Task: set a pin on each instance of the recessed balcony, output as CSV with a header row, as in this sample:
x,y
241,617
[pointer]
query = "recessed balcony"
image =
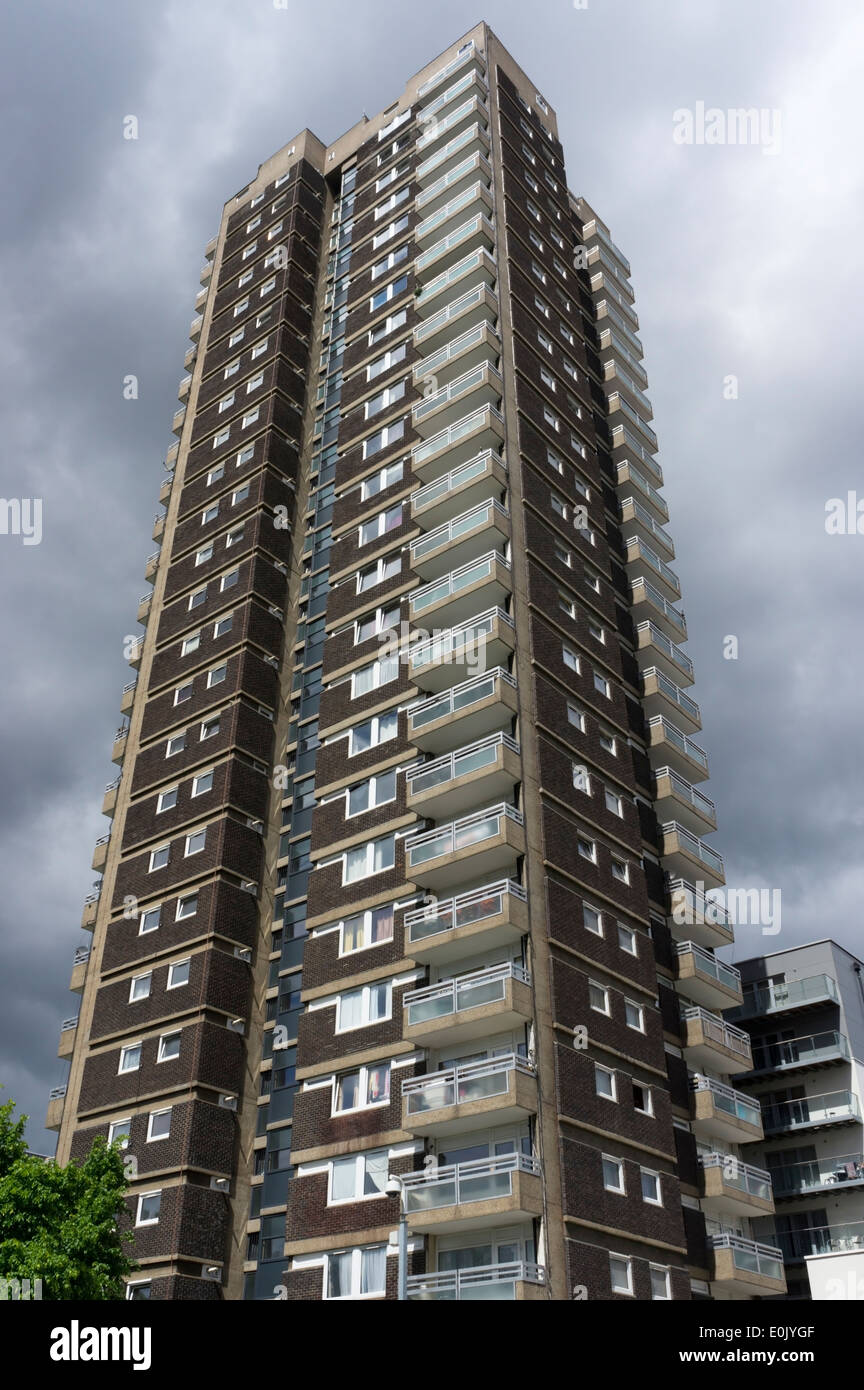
x,y
745,1268
483,772
649,603
825,1111
56,1104
482,385
451,929
809,1053
109,799
475,1195
482,429
472,1095
475,1005
478,346
467,537
474,234
787,997
682,853
68,1032
728,1187
464,712
485,844
653,648
674,796
660,697
628,477
471,60
711,1043
472,82
718,1111
100,853
459,491
832,1175
644,562
471,168
79,969
437,225
473,141
457,655
694,916
474,111
483,583
668,746
144,604
700,976
484,1284
448,309
840,1238
634,513
118,748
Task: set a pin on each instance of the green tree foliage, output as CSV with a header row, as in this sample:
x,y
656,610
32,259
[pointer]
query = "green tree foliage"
x,y
61,1225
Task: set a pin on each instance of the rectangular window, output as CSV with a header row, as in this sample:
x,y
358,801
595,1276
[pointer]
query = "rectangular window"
x,y
140,987
227,582
613,1175
175,745
592,919
158,1125
375,791
587,849
130,1058
386,362
358,1008
621,1274
651,1187
238,335
148,1209
620,869
598,998
120,1130
167,800
215,474
245,455
374,676
388,292
187,907
634,1016
388,326
613,802
642,1099
178,974
210,514
250,418
226,403
356,1090
375,857
601,685
626,939
356,1273
385,568
373,732
169,1047
604,1082
366,929
570,659
224,625
149,920
361,1175
196,599
383,438
384,399
660,1283
239,494
217,675
381,525
204,554
183,693
195,842
202,783
159,857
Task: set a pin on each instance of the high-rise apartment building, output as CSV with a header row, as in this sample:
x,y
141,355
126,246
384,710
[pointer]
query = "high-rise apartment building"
x,y
804,1011
404,905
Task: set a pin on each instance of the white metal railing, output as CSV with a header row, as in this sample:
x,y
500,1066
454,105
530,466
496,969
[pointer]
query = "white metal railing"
x,y
709,965
458,763
646,519
441,127
454,238
681,741
483,373
698,908
472,1283
82,955
471,991
463,910
672,692
727,1099
464,833
716,1028
68,1024
451,350
642,483
458,306
675,615
465,137
473,468
111,786
744,1177
57,1093
457,580
468,1081
455,432
659,639
457,698
686,792
750,1256
447,644
709,857
442,215
476,160
477,1180
442,74
462,525
655,562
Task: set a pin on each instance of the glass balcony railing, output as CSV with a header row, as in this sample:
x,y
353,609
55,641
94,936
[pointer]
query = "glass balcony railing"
x,y
750,1257
467,636
683,790
471,991
799,1052
452,92
474,468
432,364
474,224
619,375
791,994
479,1180
462,170
728,1100
470,55
442,215
743,1177
460,526
692,907
604,284
484,374
468,108
447,438
457,581
653,559
485,1283
452,148
457,699
465,910
709,965
624,438
834,1107
646,519
596,229
684,744
460,763
641,589
672,692
459,306
617,402
709,857
627,473
459,834
660,640
794,1179
717,1030
615,271
841,1239
470,1081
605,309
612,340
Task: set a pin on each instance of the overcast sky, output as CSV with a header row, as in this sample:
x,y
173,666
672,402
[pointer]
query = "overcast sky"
x,y
745,264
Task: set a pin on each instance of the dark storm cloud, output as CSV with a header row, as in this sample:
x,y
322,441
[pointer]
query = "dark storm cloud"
x,y
744,264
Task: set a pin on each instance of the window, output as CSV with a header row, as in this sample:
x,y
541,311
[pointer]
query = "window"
x,y
196,599
567,605
148,1208
608,743
372,858
390,262
238,335
563,555
386,362
359,1007
140,987
543,339
598,998
268,288
375,623
592,580
620,869
130,1058
259,349
227,582
256,222
355,1273
249,250
167,800
187,907
387,326
215,474
651,1187
390,231
548,379
533,209
374,676
159,857
178,974
381,525
613,1175
642,1099
250,417
191,643
601,685
570,659
383,438
541,306
204,554
604,1082
551,418
169,1047
374,731
158,1125
627,939
634,1016
586,848
529,154
355,1090
366,929
592,919
621,1274
183,693
659,1282
361,1175
195,842
149,920
375,791
241,307
613,802
226,402
120,1130
217,675
598,633
223,625
385,568
202,783
175,745
245,455
390,203
385,398
576,716
388,292
554,460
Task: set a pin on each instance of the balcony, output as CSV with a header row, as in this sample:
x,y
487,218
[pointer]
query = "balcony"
x,y
674,796
478,346
201,298
195,327
471,168
68,1031
450,929
596,231
627,447
118,748
799,1054
841,1239
474,111
832,1175
439,224
144,603
152,565
459,491
476,1005
478,846
127,697
165,490
189,358
159,526
705,979
100,853
471,1095
474,234
482,385
486,1283
649,531
135,652
482,772
668,746
681,853
205,273
607,266
475,1195
444,313
788,997
812,1113
109,799
465,712
718,1111
653,648
473,81
746,1268
696,917
617,349
483,429
729,1187
649,603
91,907
465,538
471,60
473,141
710,1042
660,696
453,657
623,381
628,476
484,583
604,288
645,436
645,563
56,1104
79,969
607,310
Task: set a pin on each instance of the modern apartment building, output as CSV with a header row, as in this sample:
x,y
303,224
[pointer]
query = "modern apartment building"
x,y
804,1011
403,909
